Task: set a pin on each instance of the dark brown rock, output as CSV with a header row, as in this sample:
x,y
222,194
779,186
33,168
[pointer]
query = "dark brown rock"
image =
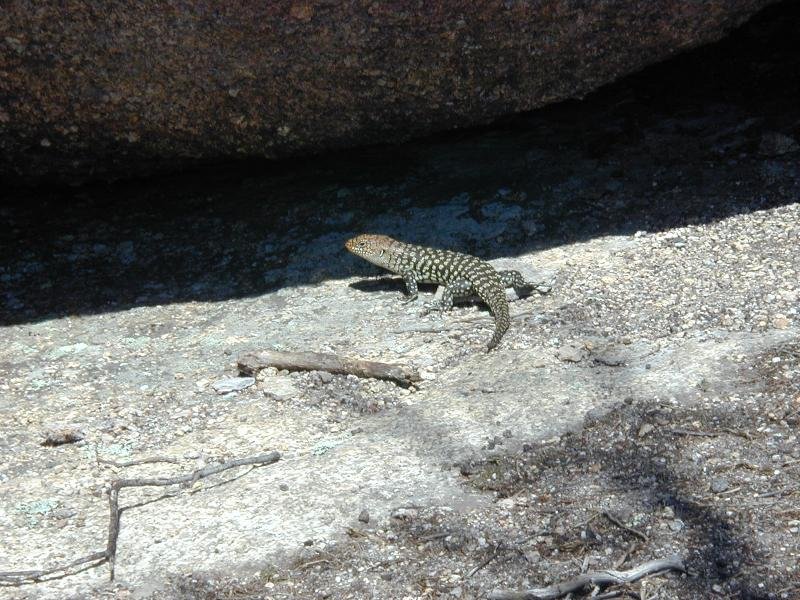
x,y
109,89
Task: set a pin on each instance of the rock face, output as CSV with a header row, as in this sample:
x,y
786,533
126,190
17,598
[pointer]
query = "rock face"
x,y
109,89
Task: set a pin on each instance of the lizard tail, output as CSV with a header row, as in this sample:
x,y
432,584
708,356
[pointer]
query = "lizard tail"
x,y
498,306
501,326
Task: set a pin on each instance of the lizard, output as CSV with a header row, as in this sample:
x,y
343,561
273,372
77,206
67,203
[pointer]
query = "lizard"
x,y
460,274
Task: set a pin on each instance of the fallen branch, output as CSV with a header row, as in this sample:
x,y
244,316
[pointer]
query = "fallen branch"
x,y
691,432
250,363
622,525
485,562
595,578
434,536
617,594
694,433
18,578
312,563
788,490
631,549
742,434
140,461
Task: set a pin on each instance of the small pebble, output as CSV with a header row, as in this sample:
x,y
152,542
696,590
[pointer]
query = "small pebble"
x,y
56,435
404,514
571,353
232,384
280,389
645,429
719,484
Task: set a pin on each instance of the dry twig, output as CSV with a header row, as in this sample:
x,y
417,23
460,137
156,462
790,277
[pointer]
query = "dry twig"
x,y
631,549
616,522
18,578
434,536
622,525
690,432
696,433
788,490
140,461
250,363
485,562
596,578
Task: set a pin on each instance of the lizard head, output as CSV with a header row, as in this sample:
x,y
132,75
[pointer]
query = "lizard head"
x,y
372,247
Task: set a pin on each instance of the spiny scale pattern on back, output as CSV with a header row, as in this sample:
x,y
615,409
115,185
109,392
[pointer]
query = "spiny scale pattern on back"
x,y
461,274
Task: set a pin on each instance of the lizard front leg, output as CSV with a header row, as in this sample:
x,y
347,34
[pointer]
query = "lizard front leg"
x,y
410,279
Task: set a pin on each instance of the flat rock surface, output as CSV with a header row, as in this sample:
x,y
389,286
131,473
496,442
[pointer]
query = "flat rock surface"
x,y
673,259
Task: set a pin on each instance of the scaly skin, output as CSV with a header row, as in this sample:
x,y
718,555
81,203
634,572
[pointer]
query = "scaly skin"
x,y
461,274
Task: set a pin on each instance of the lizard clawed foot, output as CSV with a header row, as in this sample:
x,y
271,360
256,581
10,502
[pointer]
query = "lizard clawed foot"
x,y
410,299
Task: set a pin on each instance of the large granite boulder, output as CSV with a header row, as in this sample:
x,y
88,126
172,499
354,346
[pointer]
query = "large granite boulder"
x,y
118,88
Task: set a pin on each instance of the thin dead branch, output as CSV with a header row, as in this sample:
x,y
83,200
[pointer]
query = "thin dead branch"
x,y
250,363
786,491
616,594
139,461
624,558
485,562
595,578
313,563
692,433
434,536
697,433
622,525
18,578
736,432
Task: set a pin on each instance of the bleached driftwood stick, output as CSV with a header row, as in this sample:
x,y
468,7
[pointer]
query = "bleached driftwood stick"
x,y
596,578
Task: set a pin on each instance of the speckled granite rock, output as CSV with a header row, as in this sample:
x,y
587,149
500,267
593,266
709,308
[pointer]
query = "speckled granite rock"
x,y
108,89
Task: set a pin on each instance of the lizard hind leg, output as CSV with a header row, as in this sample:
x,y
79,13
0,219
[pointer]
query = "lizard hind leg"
x,y
514,279
455,289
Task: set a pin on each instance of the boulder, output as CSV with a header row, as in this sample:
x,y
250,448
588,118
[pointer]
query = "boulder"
x,y
116,88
